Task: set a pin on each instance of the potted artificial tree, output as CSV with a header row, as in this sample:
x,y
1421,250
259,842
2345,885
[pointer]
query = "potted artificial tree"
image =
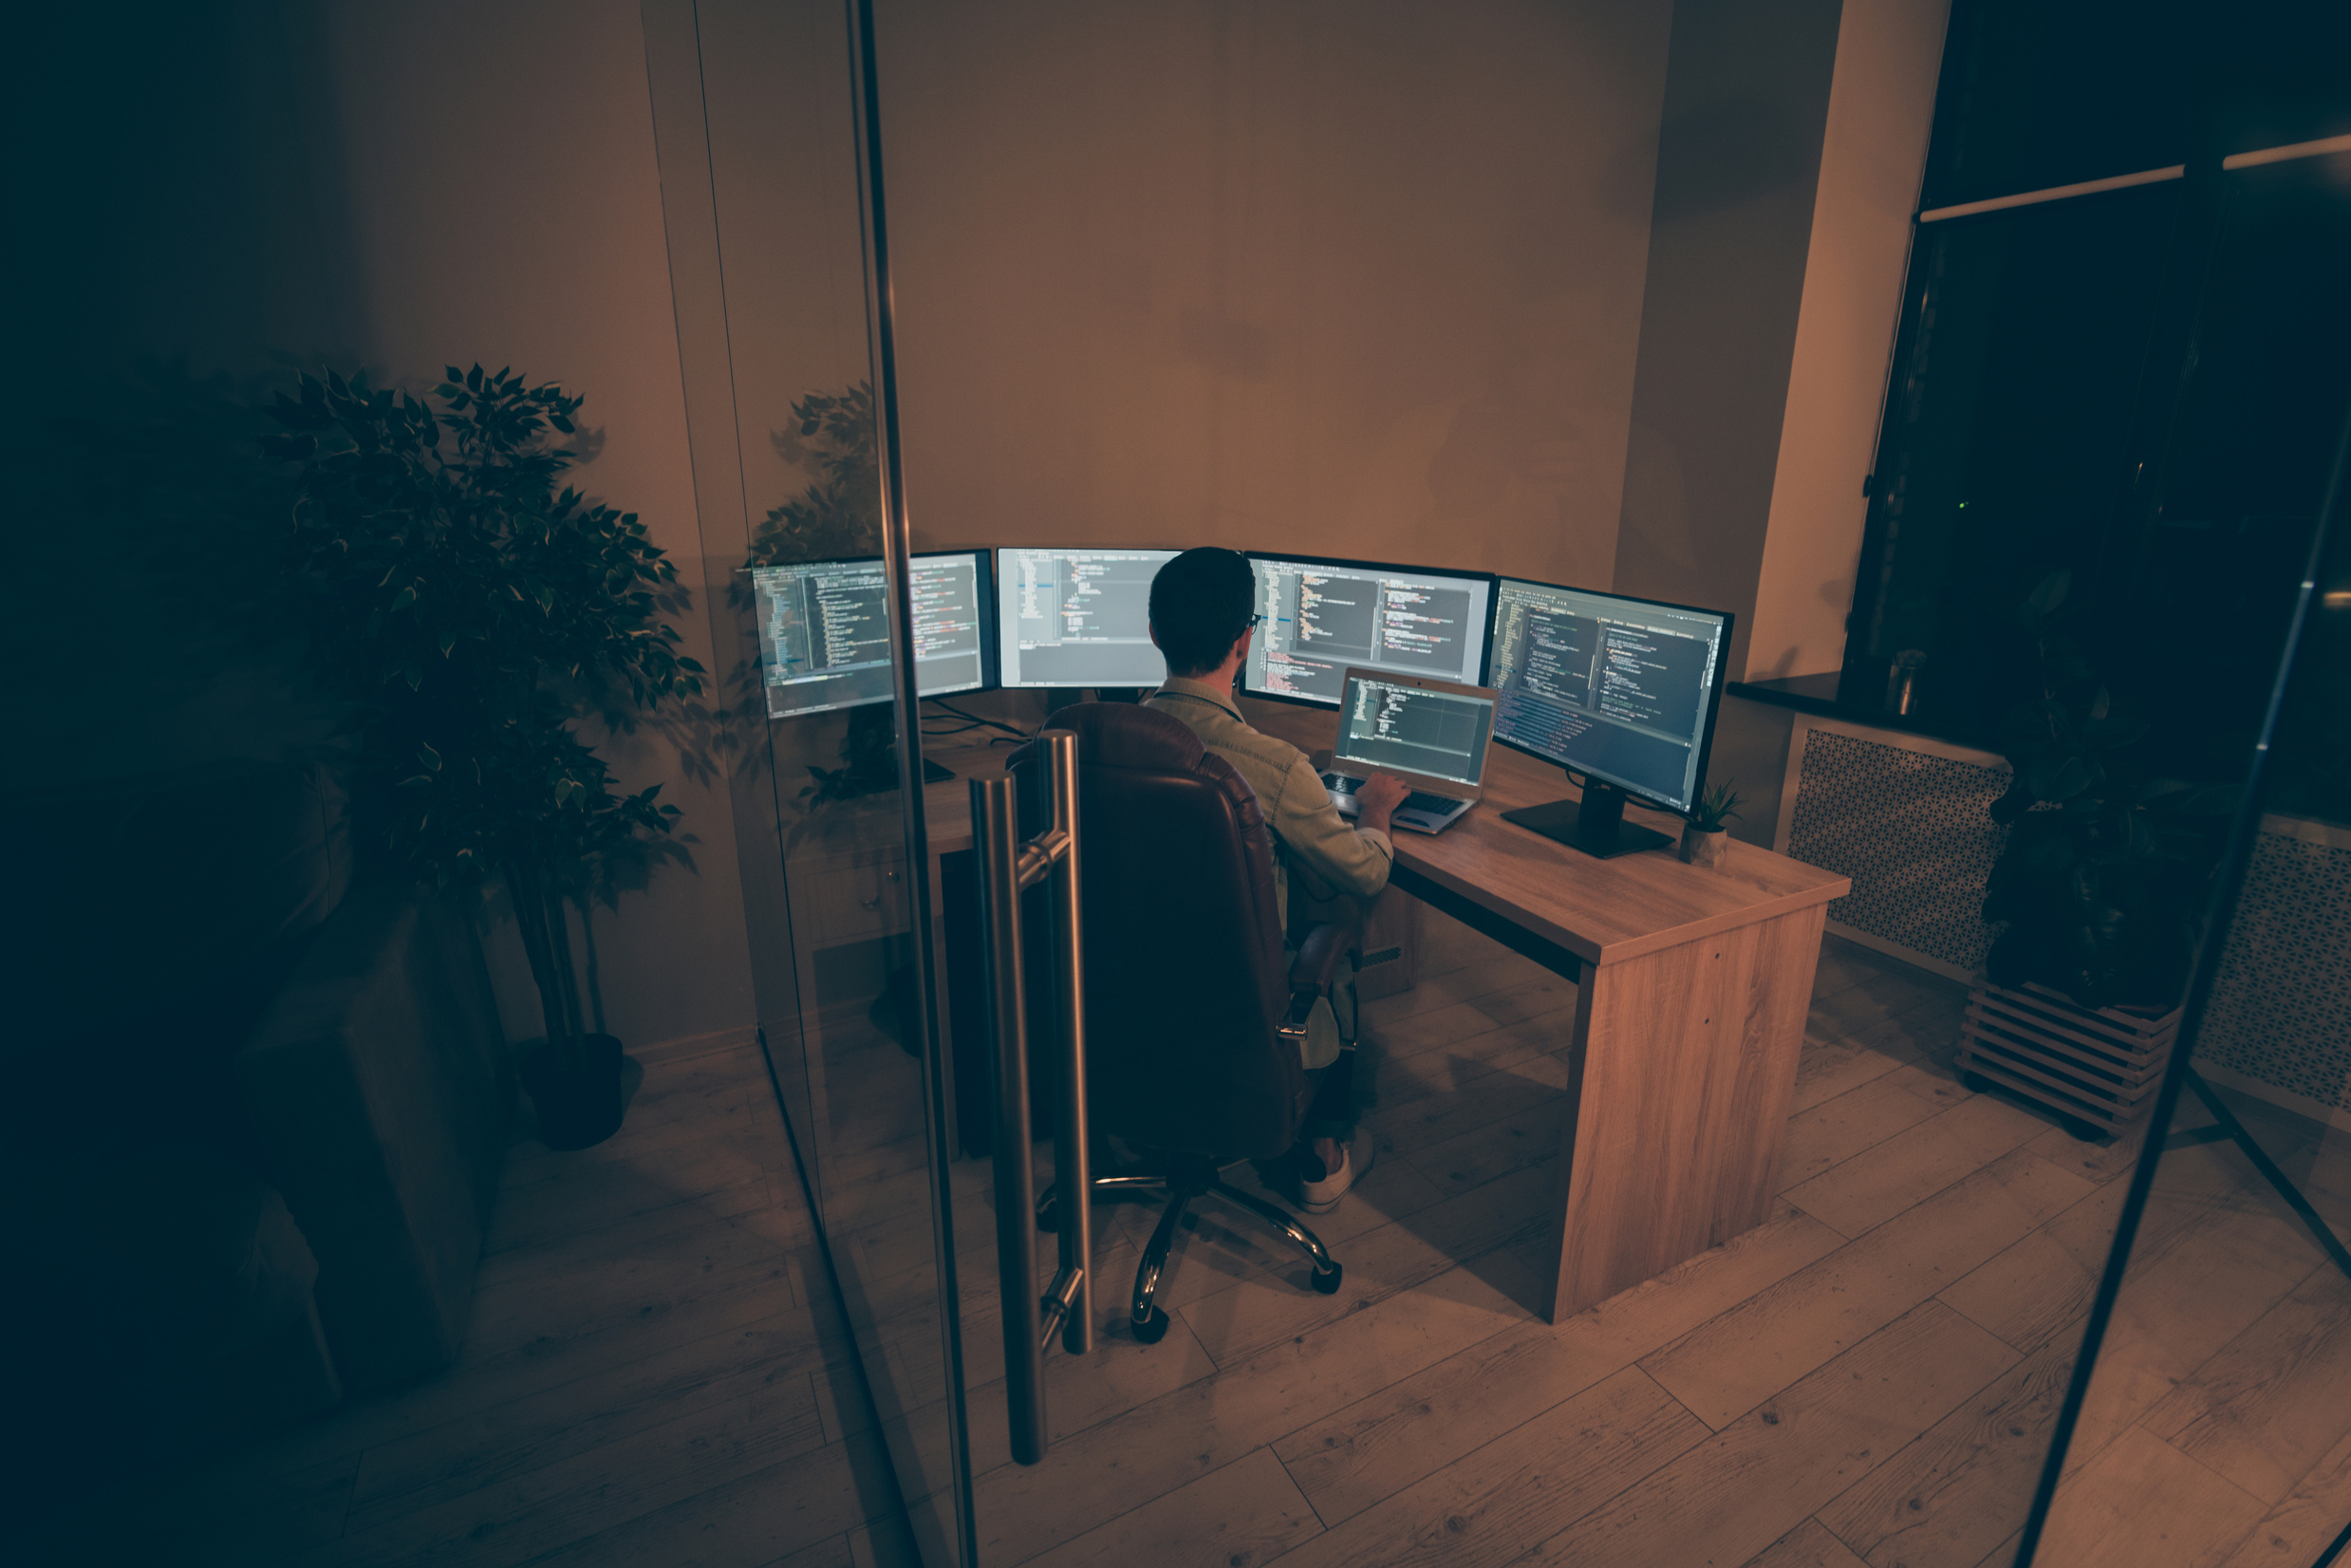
x,y
473,616
2098,892
1709,831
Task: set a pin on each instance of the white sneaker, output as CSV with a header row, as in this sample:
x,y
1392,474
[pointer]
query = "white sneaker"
x,y
1322,1195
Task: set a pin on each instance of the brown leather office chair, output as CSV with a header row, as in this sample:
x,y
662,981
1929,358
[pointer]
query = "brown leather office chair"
x,y
1193,1016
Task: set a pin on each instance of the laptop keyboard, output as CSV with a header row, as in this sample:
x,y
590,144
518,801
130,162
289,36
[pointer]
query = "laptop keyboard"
x,y
1435,803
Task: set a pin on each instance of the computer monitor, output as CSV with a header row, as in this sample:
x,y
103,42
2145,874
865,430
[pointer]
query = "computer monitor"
x,y
1317,617
1077,617
824,630
1620,690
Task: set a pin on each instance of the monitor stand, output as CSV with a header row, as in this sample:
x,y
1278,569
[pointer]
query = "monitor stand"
x,y
1057,698
1595,824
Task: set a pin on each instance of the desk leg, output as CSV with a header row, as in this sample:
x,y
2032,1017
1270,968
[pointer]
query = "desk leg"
x,y
1683,1067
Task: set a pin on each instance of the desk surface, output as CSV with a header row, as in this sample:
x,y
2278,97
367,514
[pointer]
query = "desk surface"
x,y
1603,911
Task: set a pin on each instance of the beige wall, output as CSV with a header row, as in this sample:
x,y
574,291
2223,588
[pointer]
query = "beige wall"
x,y
1872,155
1793,138
505,206
1354,279
1745,102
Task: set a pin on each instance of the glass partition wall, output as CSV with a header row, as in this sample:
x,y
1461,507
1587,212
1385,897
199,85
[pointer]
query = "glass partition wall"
x,y
1959,1245
2142,380
2145,388
778,267
2209,1420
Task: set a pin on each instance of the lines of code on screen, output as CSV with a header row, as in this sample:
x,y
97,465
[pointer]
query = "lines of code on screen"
x,y
1317,620
824,631
1079,617
1441,733
1606,685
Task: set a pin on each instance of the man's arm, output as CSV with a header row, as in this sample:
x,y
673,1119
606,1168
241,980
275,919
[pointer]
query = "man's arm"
x,y
1352,857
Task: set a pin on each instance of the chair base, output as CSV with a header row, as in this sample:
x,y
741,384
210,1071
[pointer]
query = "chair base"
x,y
1192,1177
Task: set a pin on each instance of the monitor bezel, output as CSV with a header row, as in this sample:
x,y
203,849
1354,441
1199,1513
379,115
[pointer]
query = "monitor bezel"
x,y
995,568
1486,649
1714,696
983,579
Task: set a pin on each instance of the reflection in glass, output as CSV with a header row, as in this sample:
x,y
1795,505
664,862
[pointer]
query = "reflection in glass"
x,y
2215,1423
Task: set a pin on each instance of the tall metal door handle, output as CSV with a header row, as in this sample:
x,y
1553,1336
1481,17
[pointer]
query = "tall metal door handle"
x,y
1008,866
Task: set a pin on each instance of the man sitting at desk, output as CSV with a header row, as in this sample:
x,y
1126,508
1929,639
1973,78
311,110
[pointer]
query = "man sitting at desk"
x,y
1203,617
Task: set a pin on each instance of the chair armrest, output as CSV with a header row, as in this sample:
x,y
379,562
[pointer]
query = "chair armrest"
x,y
1313,971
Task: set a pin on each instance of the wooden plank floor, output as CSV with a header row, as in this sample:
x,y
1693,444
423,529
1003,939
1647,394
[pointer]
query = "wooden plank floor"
x,y
1870,1378
656,1374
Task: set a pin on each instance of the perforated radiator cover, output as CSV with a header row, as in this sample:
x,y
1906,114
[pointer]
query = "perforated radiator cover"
x,y
1912,828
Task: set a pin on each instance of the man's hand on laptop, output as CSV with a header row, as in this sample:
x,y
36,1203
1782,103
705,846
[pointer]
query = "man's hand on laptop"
x,y
1378,799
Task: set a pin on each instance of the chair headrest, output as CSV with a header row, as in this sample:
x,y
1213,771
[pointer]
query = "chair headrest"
x,y
1127,735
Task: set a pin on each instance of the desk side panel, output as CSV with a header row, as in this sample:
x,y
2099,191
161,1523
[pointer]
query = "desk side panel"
x,y
1685,1067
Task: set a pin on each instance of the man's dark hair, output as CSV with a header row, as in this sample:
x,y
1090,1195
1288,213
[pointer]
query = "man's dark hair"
x,y
1201,604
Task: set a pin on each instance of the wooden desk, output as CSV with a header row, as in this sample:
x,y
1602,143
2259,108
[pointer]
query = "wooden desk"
x,y
1692,987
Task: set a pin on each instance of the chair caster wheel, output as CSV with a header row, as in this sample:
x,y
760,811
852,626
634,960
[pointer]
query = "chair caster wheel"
x,y
1152,1328
1328,1284
1049,1215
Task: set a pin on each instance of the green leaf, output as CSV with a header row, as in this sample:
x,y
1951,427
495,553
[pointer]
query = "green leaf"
x,y
2119,730
2058,778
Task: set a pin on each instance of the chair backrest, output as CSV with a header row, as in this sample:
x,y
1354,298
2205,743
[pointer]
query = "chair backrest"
x,y
1185,983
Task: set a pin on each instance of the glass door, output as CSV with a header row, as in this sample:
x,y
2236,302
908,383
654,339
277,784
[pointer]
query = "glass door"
x,y
778,269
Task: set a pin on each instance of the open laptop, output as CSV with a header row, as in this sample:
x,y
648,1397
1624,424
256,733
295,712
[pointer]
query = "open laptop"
x,y
1432,734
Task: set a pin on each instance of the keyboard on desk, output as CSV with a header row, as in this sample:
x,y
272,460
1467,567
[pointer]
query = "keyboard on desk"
x,y
1438,808
1416,801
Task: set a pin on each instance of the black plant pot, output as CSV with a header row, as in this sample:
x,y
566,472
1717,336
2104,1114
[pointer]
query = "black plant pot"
x,y
576,1090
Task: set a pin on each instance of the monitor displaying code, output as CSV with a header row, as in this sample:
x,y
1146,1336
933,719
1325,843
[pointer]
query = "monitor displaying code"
x,y
1318,618
824,630
1617,688
1441,733
1077,617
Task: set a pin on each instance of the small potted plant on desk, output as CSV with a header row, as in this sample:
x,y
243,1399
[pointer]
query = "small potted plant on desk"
x,y
472,617
1703,839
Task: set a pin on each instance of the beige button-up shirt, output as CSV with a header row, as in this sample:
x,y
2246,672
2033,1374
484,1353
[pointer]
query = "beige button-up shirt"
x,y
1337,858
1340,867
